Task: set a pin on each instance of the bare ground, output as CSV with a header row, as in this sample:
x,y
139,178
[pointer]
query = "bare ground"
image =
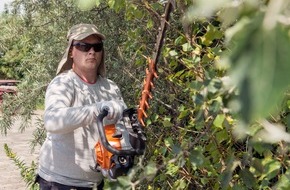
x,y
10,178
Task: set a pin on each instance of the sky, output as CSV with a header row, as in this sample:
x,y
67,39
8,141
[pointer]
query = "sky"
x,y
2,3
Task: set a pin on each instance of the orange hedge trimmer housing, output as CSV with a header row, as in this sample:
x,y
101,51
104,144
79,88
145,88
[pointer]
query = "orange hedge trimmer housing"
x,y
103,155
118,144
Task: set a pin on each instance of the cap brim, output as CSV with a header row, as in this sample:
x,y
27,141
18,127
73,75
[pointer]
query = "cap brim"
x,y
84,35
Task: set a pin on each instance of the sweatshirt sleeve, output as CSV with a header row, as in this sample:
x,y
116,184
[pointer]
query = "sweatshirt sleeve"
x,y
59,116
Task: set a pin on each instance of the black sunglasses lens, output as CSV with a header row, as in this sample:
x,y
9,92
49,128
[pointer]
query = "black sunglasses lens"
x,y
84,47
98,47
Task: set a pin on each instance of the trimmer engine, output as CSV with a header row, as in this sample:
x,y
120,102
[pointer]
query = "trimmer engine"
x,y
119,144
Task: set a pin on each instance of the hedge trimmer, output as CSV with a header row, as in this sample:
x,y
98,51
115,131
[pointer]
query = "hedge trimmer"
x,y
118,144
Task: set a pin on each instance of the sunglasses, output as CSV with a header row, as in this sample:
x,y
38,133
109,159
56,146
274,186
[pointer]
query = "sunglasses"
x,y
85,47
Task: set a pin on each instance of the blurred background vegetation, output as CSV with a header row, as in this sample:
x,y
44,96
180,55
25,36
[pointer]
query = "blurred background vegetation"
x,y
219,118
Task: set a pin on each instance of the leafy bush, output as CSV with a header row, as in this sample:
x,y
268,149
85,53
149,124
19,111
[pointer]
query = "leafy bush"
x,y
220,113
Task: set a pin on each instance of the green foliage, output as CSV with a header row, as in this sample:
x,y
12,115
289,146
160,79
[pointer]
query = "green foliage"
x,y
219,118
262,55
27,172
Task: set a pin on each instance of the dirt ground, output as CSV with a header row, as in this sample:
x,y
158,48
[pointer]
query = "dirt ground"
x,y
20,144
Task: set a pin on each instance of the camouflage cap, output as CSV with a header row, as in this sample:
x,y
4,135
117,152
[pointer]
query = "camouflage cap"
x,y
79,32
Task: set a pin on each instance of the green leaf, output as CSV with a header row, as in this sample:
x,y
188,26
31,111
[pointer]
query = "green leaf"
x,y
180,40
283,182
180,184
195,85
183,114
172,169
218,121
150,24
173,53
187,47
288,104
271,168
196,158
98,2
86,4
260,68
248,178
176,149
222,136
198,99
261,148
167,122
150,170
168,142
214,85
226,175
211,34
124,181
111,3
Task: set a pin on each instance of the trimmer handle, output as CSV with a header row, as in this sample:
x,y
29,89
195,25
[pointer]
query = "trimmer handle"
x,y
104,112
